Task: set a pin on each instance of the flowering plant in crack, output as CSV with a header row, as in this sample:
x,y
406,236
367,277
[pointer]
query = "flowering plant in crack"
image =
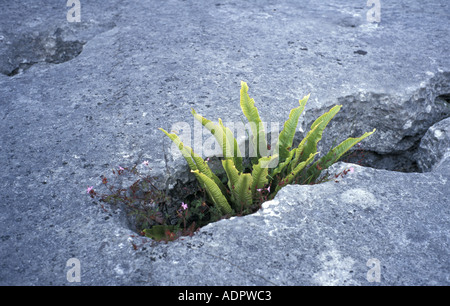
x,y
142,198
149,209
243,184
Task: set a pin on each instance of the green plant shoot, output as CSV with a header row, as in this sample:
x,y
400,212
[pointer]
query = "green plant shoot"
x,y
242,192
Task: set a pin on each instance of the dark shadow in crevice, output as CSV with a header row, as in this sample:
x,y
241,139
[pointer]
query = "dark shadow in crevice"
x,y
445,97
401,161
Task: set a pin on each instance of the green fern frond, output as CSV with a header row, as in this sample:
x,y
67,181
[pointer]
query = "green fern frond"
x,y
287,165
214,192
194,161
243,197
224,137
231,171
251,112
281,166
346,145
232,149
260,172
299,152
286,136
334,155
318,126
185,151
291,176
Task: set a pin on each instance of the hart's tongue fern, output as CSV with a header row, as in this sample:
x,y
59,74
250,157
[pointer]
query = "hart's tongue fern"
x,y
285,166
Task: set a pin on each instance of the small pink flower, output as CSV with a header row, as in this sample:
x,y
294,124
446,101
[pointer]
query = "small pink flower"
x,y
268,189
184,205
120,168
89,189
145,163
351,170
259,189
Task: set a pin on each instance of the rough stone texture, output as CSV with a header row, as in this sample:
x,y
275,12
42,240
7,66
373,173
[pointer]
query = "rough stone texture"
x,y
68,117
434,146
33,33
324,235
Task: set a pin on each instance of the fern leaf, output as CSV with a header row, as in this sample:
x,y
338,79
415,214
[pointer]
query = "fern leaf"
x,y
243,197
260,172
231,171
299,150
334,155
291,176
214,192
282,165
210,126
290,126
159,232
318,126
224,137
251,112
185,150
203,167
347,144
232,149
194,161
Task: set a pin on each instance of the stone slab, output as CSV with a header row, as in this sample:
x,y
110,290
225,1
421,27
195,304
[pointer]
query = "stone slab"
x,y
143,64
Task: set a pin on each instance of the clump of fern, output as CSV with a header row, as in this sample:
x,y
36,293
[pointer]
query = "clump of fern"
x,y
268,171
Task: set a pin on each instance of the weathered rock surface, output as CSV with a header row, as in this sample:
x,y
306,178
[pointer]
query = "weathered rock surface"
x,y
434,146
324,235
77,99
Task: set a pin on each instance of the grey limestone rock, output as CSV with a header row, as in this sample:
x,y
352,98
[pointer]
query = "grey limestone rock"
x,y
325,234
434,146
80,99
